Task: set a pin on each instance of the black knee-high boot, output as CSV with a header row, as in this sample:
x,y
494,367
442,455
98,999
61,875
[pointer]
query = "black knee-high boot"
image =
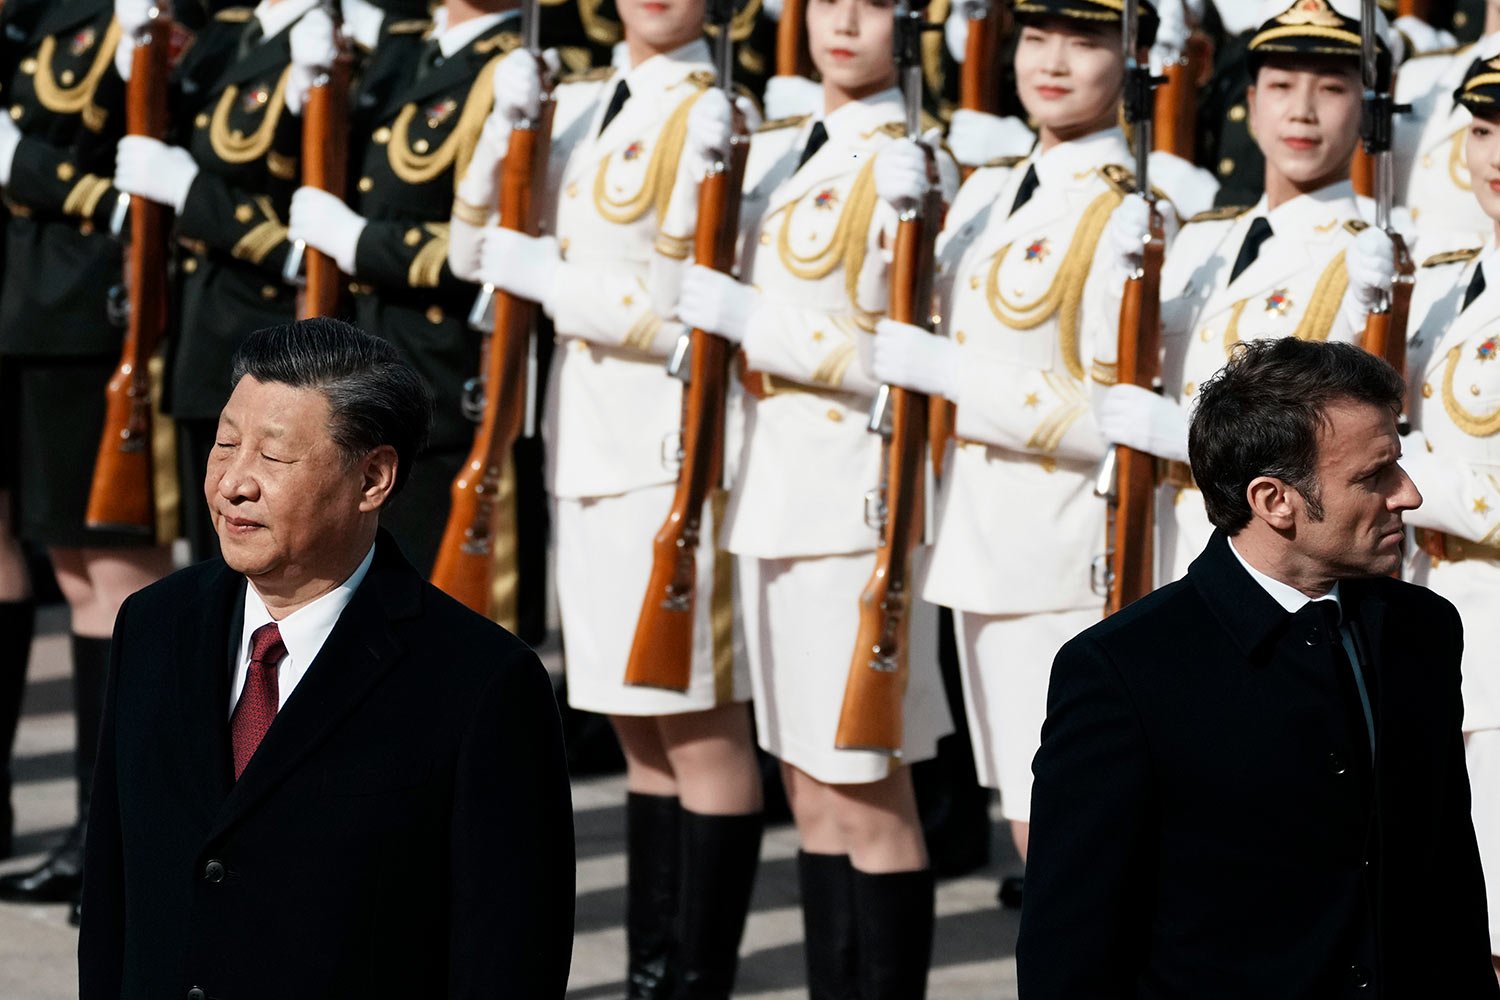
x,y
17,626
719,858
894,913
653,830
828,926
58,879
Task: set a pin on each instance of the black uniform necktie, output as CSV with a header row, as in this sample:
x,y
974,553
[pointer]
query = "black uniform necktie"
x,y
1476,287
815,140
622,94
1260,231
1028,188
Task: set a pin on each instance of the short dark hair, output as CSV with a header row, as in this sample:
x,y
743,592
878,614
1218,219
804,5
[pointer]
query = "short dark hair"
x,y
374,397
1261,415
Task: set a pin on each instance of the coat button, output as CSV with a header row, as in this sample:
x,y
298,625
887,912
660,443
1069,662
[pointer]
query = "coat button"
x,y
1313,637
1336,764
214,872
1359,977
196,994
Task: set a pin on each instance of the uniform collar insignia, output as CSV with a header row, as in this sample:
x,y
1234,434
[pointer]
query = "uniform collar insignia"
x,y
1487,350
1311,12
1278,302
441,111
83,41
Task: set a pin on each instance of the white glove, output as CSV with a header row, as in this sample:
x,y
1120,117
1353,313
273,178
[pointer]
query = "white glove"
x,y
1371,264
1172,33
772,9
132,16
155,171
790,96
956,27
901,174
1191,188
478,186
518,87
714,302
313,51
325,223
1125,235
10,140
362,21
709,127
1140,419
1237,16
1422,36
522,265
976,138
912,358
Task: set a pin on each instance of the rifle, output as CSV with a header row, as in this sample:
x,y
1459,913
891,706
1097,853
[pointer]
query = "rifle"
x,y
792,55
1177,98
661,654
325,147
122,496
1132,495
874,696
1385,328
465,554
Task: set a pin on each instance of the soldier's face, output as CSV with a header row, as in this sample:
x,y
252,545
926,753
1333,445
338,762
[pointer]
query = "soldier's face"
x,y
1305,118
1483,156
1069,77
850,42
662,25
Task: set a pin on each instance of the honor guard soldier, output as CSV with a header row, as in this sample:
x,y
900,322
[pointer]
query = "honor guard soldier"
x,y
814,277
228,173
612,416
58,350
1453,455
421,105
1299,263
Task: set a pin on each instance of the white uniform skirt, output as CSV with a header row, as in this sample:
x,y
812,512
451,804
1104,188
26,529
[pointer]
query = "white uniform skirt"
x,y
1007,664
801,618
603,564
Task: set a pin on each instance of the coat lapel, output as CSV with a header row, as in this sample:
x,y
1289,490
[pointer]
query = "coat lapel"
x,y
1481,313
206,651
268,58
62,16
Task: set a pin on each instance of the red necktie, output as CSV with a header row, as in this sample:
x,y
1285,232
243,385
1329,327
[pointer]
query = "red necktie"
x,y
260,698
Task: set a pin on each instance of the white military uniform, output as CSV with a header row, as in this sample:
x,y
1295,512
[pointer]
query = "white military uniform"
x,y
1454,361
1295,287
613,413
796,518
1019,525
1432,176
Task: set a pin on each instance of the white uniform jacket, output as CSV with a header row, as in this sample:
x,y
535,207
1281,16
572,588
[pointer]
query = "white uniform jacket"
x,y
1432,175
1454,398
611,405
1018,522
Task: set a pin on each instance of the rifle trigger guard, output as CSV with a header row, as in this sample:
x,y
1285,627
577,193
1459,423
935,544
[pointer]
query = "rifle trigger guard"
x,y
672,451
875,509
1101,577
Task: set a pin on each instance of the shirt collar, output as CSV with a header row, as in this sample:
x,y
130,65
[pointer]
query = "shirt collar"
x,y
1076,160
304,630
669,68
857,117
275,18
451,41
1314,210
1289,597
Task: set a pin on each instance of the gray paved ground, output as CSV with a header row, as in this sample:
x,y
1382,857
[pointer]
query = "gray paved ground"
x,y
975,940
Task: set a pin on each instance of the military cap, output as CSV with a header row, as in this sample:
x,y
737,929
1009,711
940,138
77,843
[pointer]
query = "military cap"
x,y
1089,11
1323,28
1480,91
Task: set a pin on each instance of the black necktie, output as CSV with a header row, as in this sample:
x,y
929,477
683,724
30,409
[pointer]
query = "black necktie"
x,y
431,58
1327,628
815,140
1260,231
1026,190
252,37
622,94
1476,287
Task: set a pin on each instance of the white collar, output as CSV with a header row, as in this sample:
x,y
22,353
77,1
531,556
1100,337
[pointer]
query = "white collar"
x,y
1077,159
669,68
451,41
1289,597
858,117
304,631
1308,211
277,17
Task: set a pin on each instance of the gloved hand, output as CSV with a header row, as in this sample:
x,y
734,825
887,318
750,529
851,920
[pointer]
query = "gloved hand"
x,y
10,139
709,127
1191,188
1140,419
518,87
1371,264
313,51
150,169
1172,33
1423,37
362,21
956,27
1125,234
901,175
714,302
132,16
325,223
976,137
478,186
772,9
789,96
912,358
522,265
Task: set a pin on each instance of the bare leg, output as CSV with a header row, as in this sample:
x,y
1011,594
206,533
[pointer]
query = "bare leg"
x,y
712,759
1020,832
97,581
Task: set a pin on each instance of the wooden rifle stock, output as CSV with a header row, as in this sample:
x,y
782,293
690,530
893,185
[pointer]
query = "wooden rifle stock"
x,y
122,495
1414,8
1176,112
872,714
1133,506
661,654
325,146
792,55
464,556
1385,332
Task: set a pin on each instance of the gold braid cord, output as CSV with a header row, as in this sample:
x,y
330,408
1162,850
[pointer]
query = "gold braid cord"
x,y
233,146
1458,170
77,100
1066,291
1316,323
1475,425
457,150
848,245
656,191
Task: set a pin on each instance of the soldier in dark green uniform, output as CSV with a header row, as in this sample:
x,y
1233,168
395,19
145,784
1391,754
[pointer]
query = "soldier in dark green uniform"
x,y
64,102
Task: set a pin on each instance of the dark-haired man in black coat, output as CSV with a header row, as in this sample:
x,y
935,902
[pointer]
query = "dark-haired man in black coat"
x,y
1252,783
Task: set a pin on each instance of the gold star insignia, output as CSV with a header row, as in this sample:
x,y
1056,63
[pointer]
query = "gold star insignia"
x,y
1033,400
817,336
1481,506
628,301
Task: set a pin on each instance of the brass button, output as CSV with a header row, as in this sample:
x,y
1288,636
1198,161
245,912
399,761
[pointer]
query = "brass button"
x,y
1237,113
817,336
28,66
573,189
961,337
16,111
563,244
765,239
65,171
412,237
268,292
382,135
1190,388
1473,390
1426,390
1226,166
66,77
201,121
1460,19
244,213
434,315
366,184
190,265
86,227
1049,464
421,146
835,416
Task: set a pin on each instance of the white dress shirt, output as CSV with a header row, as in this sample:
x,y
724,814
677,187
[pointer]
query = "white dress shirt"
x,y
303,632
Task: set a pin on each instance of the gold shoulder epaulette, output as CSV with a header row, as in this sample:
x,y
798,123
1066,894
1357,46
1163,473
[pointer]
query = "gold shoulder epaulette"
x,y
1002,161
896,130
1356,226
1451,50
235,15
1119,178
1220,214
414,26
780,123
701,78
502,42
595,75
1451,257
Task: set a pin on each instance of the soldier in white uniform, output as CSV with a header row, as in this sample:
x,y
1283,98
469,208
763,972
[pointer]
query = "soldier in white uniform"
x,y
1453,455
1300,262
1029,279
815,269
613,412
